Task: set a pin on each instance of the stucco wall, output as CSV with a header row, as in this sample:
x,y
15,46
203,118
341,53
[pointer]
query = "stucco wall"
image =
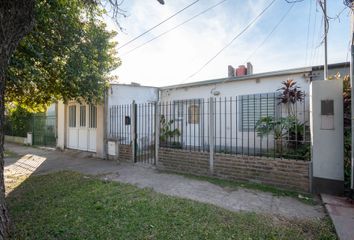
x,y
327,144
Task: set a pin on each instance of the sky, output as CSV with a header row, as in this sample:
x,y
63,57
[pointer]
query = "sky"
x,y
178,56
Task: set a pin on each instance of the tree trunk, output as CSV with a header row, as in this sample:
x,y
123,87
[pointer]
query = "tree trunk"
x,y
16,20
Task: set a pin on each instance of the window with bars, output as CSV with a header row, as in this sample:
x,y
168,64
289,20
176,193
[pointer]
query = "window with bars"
x,y
72,116
92,116
254,107
83,116
193,114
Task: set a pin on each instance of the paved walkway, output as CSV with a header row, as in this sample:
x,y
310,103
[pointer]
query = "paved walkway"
x,y
341,211
39,161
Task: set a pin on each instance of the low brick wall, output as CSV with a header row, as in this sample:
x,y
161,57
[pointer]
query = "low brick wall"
x,y
125,152
289,174
182,161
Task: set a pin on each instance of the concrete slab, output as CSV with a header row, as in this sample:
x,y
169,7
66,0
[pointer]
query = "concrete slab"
x,y
341,211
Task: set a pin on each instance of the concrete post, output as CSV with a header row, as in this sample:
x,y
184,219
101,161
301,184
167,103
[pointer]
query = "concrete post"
x,y
61,125
211,134
133,129
326,122
157,131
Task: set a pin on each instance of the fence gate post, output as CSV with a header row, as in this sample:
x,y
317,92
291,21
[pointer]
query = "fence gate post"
x,y
133,130
211,135
157,131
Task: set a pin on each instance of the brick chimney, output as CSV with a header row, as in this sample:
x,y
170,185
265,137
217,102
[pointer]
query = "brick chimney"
x,y
241,70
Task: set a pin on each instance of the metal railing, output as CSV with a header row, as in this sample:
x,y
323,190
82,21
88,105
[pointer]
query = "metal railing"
x,y
252,125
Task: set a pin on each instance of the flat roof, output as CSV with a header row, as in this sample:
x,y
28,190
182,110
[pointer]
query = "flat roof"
x,y
257,75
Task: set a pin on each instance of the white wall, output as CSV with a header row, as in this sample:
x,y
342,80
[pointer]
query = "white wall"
x,y
120,98
227,127
119,94
327,144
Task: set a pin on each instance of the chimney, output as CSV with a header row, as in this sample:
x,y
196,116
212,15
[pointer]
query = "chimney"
x,y
230,71
241,71
249,68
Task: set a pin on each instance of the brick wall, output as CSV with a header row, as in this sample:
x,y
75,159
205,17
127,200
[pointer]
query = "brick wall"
x,y
125,152
290,174
182,161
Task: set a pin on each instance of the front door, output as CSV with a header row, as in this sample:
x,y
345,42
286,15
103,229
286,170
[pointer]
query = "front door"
x,y
82,124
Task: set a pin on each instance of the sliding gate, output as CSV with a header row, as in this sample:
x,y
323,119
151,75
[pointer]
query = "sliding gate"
x,y
134,125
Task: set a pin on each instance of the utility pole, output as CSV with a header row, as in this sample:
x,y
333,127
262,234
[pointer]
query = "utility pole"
x,y
352,95
325,19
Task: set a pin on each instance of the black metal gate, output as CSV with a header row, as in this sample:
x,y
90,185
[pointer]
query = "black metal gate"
x,y
44,130
144,133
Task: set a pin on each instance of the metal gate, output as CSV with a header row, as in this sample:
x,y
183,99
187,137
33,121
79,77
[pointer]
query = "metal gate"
x,y
144,132
44,130
133,127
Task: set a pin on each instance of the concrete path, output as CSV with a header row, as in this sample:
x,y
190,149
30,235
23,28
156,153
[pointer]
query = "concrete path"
x,y
341,211
39,161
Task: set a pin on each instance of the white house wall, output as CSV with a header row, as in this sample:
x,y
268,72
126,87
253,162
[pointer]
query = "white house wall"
x,y
120,98
227,130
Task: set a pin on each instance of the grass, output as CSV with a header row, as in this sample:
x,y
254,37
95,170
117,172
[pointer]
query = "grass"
x,y
69,205
234,185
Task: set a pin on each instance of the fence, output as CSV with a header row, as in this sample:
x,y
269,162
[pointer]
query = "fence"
x,y
251,137
252,125
43,129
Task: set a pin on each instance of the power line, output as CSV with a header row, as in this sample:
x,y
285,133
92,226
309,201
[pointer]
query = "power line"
x,y
272,31
150,29
175,27
237,36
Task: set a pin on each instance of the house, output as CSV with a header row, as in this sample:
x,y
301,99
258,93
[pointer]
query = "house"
x,y
207,127
85,127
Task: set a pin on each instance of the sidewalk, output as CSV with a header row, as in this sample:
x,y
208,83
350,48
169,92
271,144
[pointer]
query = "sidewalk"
x,y
39,161
341,211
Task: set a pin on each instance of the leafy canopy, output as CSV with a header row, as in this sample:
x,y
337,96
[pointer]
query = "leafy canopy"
x,y
67,56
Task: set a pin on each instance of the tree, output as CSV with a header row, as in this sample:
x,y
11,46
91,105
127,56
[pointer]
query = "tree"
x,y
72,63
16,21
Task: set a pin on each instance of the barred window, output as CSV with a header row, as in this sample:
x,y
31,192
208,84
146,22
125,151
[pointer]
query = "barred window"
x,y
72,116
83,116
92,116
254,107
193,114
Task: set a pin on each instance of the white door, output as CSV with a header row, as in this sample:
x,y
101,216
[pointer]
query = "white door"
x,y
92,128
82,126
82,130
72,128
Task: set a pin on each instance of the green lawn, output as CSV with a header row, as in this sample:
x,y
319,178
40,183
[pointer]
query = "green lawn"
x,y
69,205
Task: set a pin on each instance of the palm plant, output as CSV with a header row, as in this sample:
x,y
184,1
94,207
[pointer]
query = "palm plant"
x,y
290,94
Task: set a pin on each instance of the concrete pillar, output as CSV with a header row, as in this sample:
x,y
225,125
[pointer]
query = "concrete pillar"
x,y
326,121
100,141
61,125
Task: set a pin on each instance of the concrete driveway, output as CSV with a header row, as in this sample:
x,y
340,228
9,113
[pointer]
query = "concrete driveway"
x,y
33,161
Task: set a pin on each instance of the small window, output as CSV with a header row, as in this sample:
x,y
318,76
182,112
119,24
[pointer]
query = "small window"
x,y
127,120
72,116
82,116
193,114
92,116
254,107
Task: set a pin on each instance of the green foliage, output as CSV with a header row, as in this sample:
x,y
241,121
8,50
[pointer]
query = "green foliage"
x,y
68,205
18,122
167,133
67,56
347,130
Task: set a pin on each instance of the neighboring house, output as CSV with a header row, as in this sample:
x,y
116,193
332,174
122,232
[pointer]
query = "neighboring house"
x,y
86,127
